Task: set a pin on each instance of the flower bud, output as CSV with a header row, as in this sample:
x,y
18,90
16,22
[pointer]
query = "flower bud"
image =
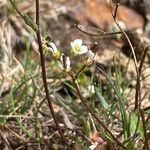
x,y
44,45
56,55
53,49
90,57
64,63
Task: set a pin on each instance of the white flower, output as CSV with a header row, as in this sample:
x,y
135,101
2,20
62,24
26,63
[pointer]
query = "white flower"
x,y
91,88
64,63
93,146
52,47
90,57
78,48
55,52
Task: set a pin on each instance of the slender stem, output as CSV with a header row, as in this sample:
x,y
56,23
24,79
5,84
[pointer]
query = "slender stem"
x,y
112,33
146,144
115,14
126,36
138,85
138,92
97,35
16,8
147,108
138,88
143,58
123,111
42,58
84,103
80,71
107,77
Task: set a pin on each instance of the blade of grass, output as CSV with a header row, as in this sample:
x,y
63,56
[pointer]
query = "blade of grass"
x,y
94,115
121,103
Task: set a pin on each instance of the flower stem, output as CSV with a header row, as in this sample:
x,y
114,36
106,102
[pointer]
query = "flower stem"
x,y
84,103
42,58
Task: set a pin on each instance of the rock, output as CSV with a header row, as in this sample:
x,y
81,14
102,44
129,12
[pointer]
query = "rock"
x,y
142,6
140,42
98,13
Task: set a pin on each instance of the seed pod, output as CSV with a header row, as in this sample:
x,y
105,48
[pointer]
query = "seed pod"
x,y
92,31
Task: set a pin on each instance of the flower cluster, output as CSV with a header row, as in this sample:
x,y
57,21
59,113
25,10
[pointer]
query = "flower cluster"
x,y
77,48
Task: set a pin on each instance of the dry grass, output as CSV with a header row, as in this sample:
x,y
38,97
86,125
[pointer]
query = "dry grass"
x,y
25,119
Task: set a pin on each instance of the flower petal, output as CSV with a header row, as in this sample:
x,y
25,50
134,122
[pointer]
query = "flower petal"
x,y
68,61
90,54
83,49
60,63
72,45
53,47
77,42
68,68
64,63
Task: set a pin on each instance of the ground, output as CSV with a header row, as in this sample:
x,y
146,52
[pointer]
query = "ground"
x,y
26,122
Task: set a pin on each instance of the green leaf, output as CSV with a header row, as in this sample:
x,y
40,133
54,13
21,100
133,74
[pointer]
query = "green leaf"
x,y
27,20
130,145
86,126
30,22
101,99
133,123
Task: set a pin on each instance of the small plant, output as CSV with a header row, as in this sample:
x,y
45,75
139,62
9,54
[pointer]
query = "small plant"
x,y
102,105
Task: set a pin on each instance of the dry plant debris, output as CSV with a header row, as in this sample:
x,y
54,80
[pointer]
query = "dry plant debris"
x,y
26,122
